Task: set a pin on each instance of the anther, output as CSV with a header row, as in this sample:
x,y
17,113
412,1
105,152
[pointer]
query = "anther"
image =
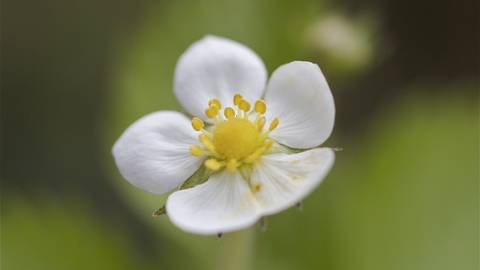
x,y
229,112
211,111
273,124
216,102
268,144
260,106
254,156
196,150
232,165
236,99
197,123
261,123
206,142
244,105
212,164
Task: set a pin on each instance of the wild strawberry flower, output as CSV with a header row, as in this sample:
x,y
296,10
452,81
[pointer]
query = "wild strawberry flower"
x,y
251,149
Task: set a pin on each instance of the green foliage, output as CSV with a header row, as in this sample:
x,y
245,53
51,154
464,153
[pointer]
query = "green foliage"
x,y
50,235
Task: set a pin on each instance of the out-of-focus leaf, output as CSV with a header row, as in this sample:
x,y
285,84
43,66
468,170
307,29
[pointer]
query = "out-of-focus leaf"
x,y
51,236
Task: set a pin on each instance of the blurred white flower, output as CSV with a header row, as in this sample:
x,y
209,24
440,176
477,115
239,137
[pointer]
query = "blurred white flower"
x,y
235,161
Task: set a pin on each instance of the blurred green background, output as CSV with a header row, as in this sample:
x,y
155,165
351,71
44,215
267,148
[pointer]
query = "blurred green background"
x,y
403,194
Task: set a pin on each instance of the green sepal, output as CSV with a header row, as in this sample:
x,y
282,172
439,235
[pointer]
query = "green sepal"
x,y
197,178
281,148
160,211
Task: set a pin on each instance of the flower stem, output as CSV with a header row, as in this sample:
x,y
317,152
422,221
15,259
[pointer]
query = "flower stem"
x,y
236,250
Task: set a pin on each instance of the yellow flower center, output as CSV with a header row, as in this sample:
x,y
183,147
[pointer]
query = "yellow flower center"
x,y
237,138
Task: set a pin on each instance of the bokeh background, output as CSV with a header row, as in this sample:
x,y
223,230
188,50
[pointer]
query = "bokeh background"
x,y
403,193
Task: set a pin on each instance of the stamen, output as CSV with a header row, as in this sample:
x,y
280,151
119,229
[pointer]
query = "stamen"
x,y
206,142
261,123
237,137
211,111
197,123
229,112
254,156
244,105
268,144
216,102
260,106
196,150
213,164
236,99
232,165
273,124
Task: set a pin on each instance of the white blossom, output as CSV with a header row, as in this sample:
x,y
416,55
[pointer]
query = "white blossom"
x,y
252,148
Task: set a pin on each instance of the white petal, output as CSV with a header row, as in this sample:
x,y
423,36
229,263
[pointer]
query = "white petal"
x,y
223,203
279,181
299,96
215,67
154,152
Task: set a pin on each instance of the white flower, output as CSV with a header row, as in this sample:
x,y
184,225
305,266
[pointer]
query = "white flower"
x,y
235,162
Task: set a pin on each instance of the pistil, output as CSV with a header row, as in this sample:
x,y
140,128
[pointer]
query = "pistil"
x,y
237,137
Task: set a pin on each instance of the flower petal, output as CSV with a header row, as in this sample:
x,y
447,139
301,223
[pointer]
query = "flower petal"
x,y
299,96
215,67
223,203
279,181
153,154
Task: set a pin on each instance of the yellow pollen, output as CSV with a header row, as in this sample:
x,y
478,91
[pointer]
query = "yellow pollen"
x,y
235,138
229,112
236,99
260,106
196,150
206,142
268,144
212,111
232,165
197,123
216,102
274,124
212,164
261,123
244,105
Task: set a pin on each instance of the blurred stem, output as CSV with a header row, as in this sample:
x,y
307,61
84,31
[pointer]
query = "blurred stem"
x,y
236,250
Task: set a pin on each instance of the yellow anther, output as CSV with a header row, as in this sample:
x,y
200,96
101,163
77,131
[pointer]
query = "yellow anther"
x,y
260,106
236,99
197,123
232,165
261,123
202,137
196,150
268,144
211,111
216,102
229,112
254,156
212,164
244,105
273,124
206,142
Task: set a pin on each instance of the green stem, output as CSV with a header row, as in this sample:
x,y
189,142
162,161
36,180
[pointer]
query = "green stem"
x,y
236,250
